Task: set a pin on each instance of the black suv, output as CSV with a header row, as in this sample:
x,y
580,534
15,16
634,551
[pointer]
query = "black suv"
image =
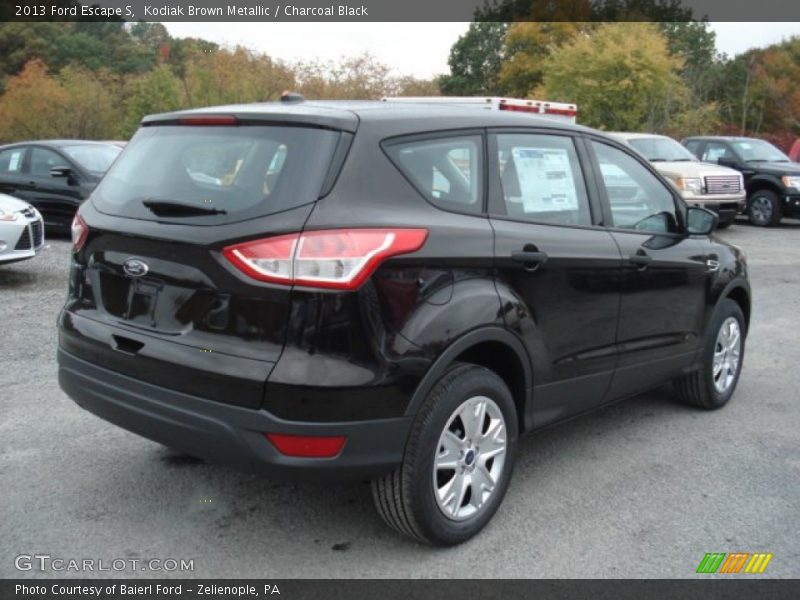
x,y
772,180
55,176
393,292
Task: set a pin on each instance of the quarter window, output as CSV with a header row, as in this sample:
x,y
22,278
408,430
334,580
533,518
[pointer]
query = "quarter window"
x,y
637,198
447,171
541,179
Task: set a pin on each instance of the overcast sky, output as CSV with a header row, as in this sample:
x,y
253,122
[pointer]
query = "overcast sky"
x,y
419,49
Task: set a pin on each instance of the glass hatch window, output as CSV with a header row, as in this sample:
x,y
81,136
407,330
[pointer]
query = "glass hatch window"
x,y
216,174
759,151
657,149
95,158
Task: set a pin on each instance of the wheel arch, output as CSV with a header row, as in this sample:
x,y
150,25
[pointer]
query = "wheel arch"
x,y
763,182
737,292
492,347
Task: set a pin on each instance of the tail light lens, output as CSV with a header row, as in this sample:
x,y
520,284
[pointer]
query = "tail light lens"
x,y
79,231
307,446
339,259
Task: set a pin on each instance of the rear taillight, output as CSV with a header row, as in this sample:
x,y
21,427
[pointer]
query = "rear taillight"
x,y
339,259
79,231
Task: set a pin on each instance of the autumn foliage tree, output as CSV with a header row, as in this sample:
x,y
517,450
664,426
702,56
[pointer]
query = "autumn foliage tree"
x,y
622,77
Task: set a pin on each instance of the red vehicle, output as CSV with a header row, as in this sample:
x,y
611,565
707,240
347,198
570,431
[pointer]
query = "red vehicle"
x,y
794,153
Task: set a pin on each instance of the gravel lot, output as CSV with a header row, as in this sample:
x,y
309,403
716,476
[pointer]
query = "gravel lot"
x,y
641,489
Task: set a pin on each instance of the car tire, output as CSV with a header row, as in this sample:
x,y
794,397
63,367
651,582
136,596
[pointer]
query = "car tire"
x,y
413,499
724,225
764,208
712,384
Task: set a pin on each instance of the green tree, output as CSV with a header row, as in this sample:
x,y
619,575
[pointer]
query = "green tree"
x,y
155,92
475,61
528,45
622,77
89,110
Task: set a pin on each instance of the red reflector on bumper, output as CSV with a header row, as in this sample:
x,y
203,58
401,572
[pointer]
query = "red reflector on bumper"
x,y
307,446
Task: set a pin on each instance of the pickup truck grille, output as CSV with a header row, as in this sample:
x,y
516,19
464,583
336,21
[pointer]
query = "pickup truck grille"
x,y
723,184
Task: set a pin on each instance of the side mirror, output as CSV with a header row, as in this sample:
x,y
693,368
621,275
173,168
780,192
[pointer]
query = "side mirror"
x,y
727,162
700,221
61,172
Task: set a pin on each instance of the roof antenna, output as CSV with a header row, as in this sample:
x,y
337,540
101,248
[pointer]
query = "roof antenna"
x,y
292,97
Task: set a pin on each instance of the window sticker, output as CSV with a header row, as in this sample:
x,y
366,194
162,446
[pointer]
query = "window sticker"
x,y
545,179
14,162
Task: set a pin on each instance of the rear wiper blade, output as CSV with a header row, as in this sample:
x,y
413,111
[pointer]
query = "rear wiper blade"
x,y
166,208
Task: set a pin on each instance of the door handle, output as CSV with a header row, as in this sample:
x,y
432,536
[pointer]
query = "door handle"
x,y
531,259
640,259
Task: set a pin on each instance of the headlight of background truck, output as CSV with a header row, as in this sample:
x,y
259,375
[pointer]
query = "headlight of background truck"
x,y
791,181
691,184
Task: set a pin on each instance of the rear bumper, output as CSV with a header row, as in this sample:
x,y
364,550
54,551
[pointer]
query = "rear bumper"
x,y
226,433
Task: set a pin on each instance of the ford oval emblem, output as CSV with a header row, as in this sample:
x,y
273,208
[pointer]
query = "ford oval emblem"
x,y
134,267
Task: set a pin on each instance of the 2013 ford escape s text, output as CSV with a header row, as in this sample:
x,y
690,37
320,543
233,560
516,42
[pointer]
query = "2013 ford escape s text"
x,y
393,292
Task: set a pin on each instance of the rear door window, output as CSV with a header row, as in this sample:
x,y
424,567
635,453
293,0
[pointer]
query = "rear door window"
x,y
446,170
11,160
541,179
216,174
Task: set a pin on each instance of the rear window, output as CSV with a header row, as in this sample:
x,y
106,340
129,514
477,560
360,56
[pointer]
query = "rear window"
x,y
213,175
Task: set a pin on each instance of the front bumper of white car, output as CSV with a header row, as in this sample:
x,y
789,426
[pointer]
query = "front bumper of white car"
x,y
23,237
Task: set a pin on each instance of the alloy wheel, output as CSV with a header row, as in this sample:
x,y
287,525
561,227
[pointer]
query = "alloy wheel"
x,y
470,458
727,352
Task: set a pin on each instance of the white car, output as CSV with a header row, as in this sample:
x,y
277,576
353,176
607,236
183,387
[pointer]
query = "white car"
x,y
21,230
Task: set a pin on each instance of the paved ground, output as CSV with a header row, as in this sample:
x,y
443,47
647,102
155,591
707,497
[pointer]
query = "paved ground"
x,y
642,489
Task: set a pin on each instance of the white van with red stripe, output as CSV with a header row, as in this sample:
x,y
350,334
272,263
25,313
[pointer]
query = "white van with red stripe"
x,y
555,110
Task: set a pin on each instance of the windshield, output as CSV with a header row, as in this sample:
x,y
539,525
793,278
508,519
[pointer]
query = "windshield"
x,y
759,151
218,174
661,149
95,158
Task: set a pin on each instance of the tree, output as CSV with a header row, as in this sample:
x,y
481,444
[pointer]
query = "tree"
x,y
155,92
475,61
30,108
231,77
360,77
89,110
528,45
695,43
622,77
